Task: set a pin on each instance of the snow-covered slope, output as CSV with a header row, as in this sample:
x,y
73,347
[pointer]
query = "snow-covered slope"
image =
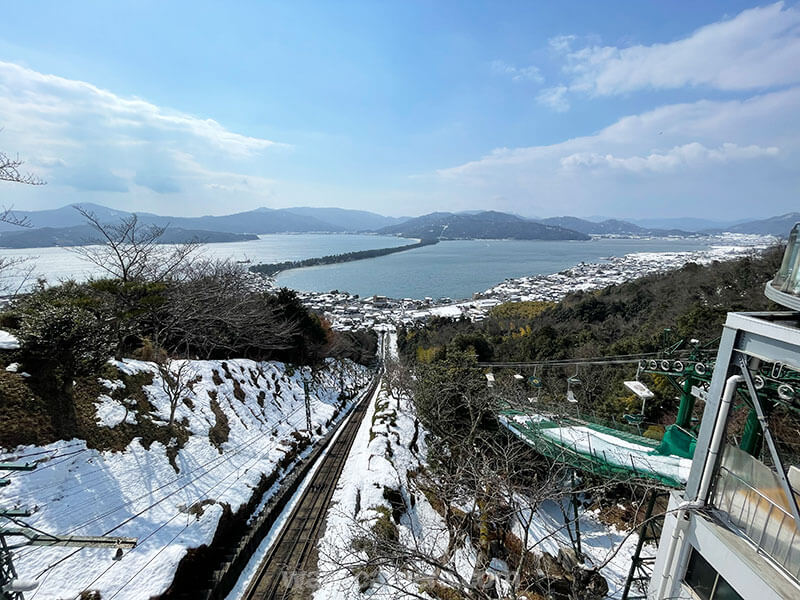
x,y
244,418
360,502
377,481
378,492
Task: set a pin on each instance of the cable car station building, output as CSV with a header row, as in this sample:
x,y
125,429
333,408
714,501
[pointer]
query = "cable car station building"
x,y
734,531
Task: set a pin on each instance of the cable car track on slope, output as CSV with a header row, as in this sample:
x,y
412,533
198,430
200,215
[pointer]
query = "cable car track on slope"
x,y
294,550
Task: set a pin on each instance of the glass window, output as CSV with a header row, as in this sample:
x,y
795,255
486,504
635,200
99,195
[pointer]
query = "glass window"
x,y
700,576
788,277
705,582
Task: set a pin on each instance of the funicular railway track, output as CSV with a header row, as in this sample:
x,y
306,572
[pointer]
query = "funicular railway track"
x,y
286,570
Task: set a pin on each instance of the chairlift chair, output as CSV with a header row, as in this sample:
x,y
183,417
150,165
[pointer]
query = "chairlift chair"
x,y
536,383
574,380
490,380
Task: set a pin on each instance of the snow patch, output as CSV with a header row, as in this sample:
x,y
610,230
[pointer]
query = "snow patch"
x,y
8,341
111,413
137,492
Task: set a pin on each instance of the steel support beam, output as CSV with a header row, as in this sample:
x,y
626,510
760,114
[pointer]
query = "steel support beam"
x,y
776,458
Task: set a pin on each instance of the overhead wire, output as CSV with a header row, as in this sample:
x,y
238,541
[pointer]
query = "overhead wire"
x,y
12,456
145,509
83,484
594,360
204,493
87,478
220,460
179,513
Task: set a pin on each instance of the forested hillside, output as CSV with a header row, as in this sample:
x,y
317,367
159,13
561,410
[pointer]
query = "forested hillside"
x,y
691,303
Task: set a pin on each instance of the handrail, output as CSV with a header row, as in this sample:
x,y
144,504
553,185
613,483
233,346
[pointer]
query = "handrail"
x,y
756,490
761,511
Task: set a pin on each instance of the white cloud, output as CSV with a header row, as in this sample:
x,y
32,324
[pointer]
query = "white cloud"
x,y
79,136
555,98
708,156
561,43
692,155
529,73
757,49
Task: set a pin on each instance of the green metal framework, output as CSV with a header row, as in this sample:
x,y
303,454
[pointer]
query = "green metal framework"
x,y
775,384
594,462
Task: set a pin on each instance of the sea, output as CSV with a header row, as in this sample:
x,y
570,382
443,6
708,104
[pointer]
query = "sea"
x,y
450,269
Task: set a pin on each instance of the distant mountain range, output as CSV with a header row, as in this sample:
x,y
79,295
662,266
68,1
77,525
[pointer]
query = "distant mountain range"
x,y
346,219
484,225
780,225
610,227
81,235
66,226
260,220
693,224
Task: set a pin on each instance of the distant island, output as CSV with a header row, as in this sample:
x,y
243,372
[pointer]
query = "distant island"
x,y
480,226
275,268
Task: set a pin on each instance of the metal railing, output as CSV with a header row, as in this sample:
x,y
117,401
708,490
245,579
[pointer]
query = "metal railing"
x,y
753,502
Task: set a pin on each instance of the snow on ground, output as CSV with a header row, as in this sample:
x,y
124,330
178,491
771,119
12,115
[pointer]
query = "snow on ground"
x,y
603,545
138,493
619,452
111,413
8,341
616,270
261,552
381,458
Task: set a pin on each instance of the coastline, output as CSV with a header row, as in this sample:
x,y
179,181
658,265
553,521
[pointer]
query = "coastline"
x,y
274,269
348,311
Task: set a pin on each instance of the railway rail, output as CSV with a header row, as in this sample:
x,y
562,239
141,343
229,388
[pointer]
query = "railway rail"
x,y
287,570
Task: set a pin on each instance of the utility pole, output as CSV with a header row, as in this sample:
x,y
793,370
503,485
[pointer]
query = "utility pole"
x,y
308,403
11,587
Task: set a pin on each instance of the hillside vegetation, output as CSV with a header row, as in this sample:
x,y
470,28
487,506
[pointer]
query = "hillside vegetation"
x,y
68,332
623,319
485,225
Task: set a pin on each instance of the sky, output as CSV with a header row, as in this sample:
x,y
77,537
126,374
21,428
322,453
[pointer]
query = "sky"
x,y
627,109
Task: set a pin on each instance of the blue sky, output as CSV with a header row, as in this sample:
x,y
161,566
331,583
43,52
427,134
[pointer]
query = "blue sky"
x,y
626,109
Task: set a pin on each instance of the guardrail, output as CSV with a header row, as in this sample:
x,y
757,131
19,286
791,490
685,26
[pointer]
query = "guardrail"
x,y
760,514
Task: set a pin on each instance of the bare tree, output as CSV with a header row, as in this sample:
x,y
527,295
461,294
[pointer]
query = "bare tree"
x,y
131,251
177,381
130,254
17,267
9,171
487,486
211,307
397,378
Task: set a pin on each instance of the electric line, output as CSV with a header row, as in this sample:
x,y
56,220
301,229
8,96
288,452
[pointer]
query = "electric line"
x,y
246,465
179,513
222,460
129,519
77,489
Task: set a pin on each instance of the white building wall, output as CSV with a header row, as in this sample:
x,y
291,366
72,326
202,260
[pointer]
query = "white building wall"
x,y
733,557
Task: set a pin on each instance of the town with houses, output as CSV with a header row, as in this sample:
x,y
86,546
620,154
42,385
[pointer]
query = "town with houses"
x,y
347,311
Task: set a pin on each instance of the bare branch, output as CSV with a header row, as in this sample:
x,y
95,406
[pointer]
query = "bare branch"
x,y
130,251
7,216
9,171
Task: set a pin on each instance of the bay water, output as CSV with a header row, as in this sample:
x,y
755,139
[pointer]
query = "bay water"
x,y
453,269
